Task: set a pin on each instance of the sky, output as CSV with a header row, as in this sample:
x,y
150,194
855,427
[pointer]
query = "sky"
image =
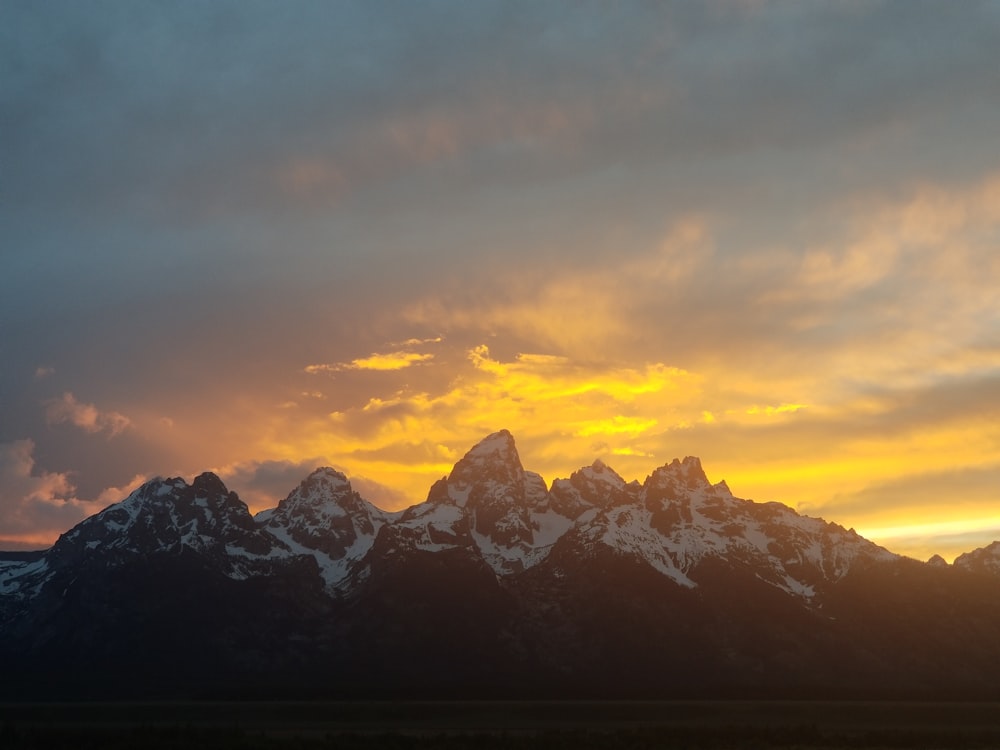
x,y
257,238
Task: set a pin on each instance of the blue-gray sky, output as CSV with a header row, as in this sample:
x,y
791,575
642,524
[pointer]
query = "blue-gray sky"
x,y
256,237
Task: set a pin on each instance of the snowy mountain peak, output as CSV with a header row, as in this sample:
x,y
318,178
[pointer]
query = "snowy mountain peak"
x,y
497,447
597,485
320,486
488,504
489,508
687,474
172,517
983,560
325,518
499,443
325,490
492,466
172,504
327,474
601,474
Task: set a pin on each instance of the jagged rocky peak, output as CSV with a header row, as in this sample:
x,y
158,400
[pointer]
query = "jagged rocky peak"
x,y
679,479
163,515
685,476
490,482
324,514
173,503
323,504
490,505
213,498
325,476
597,485
494,458
499,443
208,484
689,472
600,474
319,488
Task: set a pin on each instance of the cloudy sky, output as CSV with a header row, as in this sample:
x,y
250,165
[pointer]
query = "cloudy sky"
x,y
259,237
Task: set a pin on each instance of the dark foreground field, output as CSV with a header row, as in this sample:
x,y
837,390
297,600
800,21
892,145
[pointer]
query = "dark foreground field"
x,y
760,725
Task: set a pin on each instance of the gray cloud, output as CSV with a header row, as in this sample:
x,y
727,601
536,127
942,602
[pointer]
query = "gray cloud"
x,y
35,506
85,416
200,200
263,484
158,99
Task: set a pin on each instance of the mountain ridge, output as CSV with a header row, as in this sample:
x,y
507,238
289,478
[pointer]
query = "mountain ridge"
x,y
497,443
495,579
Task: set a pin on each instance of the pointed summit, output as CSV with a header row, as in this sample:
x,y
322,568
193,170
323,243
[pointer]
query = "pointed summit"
x,y
322,485
500,442
686,474
324,517
497,447
490,504
494,458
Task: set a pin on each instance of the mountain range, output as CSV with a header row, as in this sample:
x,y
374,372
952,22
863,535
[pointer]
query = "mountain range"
x,y
497,585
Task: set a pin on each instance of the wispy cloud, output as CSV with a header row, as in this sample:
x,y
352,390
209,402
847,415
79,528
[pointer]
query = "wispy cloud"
x,y
85,416
386,361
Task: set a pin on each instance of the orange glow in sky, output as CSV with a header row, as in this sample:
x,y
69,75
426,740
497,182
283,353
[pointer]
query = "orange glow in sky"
x,y
762,234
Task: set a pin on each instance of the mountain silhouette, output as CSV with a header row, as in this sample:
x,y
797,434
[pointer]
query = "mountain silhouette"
x,y
497,585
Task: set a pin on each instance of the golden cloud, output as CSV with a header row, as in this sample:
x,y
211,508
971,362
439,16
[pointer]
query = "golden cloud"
x,y
771,411
807,375
556,407
617,425
387,361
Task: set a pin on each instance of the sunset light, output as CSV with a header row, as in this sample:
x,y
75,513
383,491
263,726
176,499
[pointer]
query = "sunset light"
x,y
262,242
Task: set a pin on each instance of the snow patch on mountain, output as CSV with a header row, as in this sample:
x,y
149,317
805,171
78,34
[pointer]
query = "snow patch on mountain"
x,y
23,578
983,560
168,516
325,518
489,506
678,519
